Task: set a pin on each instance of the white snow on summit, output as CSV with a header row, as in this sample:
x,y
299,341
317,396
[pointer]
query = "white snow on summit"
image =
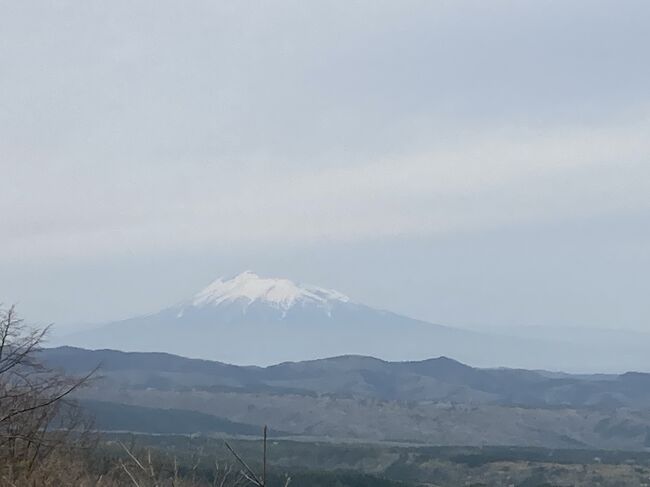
x,y
279,293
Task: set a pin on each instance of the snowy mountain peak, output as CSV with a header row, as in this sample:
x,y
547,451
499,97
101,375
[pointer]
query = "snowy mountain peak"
x,y
279,293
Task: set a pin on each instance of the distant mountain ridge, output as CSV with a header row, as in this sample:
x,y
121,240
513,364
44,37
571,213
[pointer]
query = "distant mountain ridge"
x,y
253,320
440,378
436,401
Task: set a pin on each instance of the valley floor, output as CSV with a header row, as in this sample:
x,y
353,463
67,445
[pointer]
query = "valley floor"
x,y
328,464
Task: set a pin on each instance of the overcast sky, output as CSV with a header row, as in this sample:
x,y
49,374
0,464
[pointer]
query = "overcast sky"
x,y
474,163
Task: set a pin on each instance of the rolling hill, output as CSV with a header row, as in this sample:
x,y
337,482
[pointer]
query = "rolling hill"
x,y
435,401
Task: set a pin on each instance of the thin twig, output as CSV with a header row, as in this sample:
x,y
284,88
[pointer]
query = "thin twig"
x,y
254,478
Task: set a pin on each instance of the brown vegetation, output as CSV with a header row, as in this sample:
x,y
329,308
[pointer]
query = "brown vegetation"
x,y
45,440
41,432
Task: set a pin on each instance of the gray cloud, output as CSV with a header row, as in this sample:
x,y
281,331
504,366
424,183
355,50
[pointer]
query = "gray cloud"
x,y
159,127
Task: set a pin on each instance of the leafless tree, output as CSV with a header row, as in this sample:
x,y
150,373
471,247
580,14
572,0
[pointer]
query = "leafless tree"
x,y
44,437
36,417
142,470
247,472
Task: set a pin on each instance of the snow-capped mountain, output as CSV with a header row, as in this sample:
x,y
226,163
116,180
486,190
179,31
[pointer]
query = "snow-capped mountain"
x,y
248,319
248,289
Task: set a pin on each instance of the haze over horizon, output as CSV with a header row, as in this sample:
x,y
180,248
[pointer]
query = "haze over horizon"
x,y
333,243
473,164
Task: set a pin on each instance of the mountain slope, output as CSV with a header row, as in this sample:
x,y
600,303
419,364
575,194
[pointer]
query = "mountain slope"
x,y
439,401
439,378
253,320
